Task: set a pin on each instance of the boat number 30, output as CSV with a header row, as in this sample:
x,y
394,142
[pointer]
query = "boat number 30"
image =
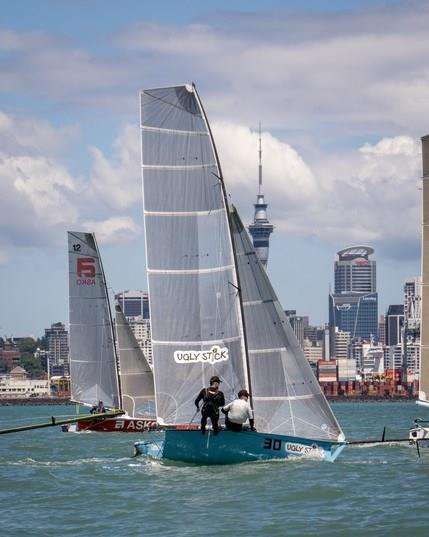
x,y
276,445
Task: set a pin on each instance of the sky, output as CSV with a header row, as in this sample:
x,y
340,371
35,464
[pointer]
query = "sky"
x,y
341,89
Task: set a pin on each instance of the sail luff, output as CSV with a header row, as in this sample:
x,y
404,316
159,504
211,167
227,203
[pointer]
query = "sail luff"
x,y
424,325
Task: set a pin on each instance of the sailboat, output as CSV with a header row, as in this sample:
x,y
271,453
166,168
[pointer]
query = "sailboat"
x,y
420,430
98,372
213,309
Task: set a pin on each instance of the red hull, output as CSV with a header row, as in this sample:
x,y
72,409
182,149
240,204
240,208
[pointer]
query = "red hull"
x,y
118,425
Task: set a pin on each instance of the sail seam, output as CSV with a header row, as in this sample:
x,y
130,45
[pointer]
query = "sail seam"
x,y
178,166
173,131
190,271
184,213
265,351
198,342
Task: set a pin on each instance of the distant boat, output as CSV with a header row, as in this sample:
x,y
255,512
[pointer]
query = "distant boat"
x,y
97,372
420,430
213,309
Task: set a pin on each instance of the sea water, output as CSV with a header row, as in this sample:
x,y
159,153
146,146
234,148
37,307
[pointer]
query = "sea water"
x,y
89,484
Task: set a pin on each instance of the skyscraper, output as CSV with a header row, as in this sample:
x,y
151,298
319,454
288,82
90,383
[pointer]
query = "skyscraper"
x,y
353,307
134,303
57,346
261,228
394,324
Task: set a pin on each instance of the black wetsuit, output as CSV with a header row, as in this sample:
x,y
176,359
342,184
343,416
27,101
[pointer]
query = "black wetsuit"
x,y
212,400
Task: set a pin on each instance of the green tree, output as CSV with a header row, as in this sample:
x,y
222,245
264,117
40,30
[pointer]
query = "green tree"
x,y
27,344
32,365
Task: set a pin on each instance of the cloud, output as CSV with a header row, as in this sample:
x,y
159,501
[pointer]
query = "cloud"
x,y
370,194
117,179
114,230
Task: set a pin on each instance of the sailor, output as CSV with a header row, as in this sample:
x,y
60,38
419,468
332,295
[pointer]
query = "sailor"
x,y
212,399
237,413
98,409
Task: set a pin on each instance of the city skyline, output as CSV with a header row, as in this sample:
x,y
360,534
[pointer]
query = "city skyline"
x,y
342,113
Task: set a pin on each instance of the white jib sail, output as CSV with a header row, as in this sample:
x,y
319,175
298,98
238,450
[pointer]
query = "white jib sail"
x,y
286,396
93,364
195,311
138,394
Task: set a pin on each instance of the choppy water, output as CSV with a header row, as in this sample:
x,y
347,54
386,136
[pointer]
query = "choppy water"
x,y
89,484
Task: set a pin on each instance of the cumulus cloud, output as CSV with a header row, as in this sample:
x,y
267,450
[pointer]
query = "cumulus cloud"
x,y
117,179
36,189
116,229
370,194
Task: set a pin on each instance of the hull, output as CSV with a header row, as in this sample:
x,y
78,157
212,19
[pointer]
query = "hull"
x,y
118,425
230,448
420,432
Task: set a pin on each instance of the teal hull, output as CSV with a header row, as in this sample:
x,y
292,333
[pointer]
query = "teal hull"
x,y
231,447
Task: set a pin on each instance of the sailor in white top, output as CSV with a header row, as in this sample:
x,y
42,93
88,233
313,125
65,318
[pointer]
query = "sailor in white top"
x,y
238,412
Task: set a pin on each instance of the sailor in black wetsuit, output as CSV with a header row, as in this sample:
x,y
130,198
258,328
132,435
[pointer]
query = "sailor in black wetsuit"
x,y
212,399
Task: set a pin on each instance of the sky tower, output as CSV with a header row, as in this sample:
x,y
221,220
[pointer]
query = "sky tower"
x,y
261,228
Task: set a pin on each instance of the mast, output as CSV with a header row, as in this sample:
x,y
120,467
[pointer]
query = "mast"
x,y
228,213
424,330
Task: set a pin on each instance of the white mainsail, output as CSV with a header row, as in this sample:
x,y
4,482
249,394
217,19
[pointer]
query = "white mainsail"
x,y
93,361
287,399
195,310
138,394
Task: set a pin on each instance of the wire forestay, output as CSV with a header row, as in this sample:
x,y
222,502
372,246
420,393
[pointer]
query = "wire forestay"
x,y
287,398
195,311
93,364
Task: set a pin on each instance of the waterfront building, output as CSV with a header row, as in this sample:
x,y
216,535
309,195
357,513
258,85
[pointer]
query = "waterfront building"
x,y
16,384
57,346
134,303
394,324
261,228
353,307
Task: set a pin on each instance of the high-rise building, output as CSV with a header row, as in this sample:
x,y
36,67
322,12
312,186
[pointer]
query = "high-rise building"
x,y
394,324
57,346
354,271
298,324
353,307
382,330
141,330
134,303
261,228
